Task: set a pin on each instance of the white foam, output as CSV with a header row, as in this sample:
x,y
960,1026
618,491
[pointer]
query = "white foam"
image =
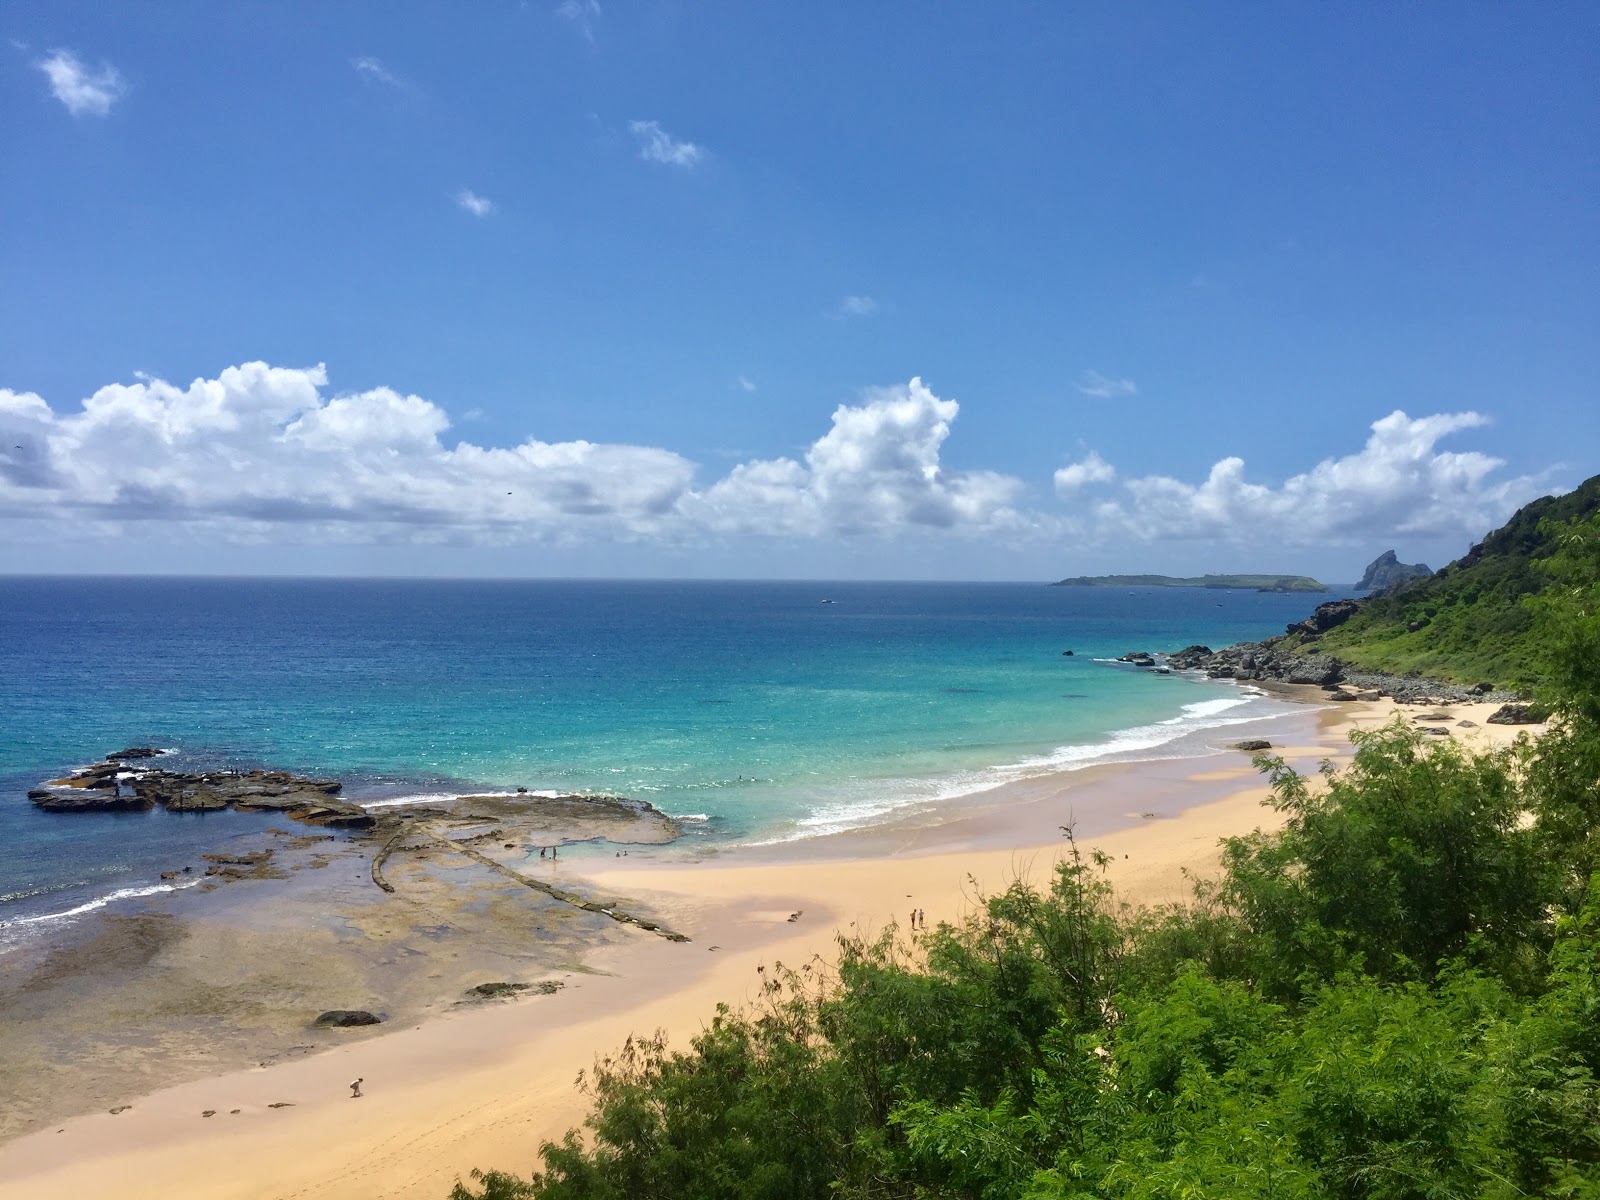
x,y
690,816
100,902
1135,744
446,797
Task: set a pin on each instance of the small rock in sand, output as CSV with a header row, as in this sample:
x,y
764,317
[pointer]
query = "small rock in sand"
x,y
281,1104
121,1108
210,1112
345,1018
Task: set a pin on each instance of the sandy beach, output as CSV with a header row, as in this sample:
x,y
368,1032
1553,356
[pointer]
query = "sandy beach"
x,y
482,1087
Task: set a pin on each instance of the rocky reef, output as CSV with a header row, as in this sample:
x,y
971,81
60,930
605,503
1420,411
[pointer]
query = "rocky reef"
x,y
114,786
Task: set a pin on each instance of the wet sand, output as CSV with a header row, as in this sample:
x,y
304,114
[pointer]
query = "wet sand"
x,y
482,1085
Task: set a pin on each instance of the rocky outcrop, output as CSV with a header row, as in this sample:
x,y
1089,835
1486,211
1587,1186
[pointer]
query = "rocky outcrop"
x,y
346,1018
1387,571
112,787
1286,660
1519,714
1325,617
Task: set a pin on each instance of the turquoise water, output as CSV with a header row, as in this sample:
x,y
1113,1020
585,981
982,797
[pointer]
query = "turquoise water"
x,y
754,708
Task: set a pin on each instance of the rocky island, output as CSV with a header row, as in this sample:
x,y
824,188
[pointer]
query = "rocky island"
x,y
1257,583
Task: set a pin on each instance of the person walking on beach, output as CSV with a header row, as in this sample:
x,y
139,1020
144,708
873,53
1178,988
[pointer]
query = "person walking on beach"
x,y
922,919
355,1088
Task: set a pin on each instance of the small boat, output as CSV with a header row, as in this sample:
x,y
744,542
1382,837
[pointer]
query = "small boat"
x,y
827,601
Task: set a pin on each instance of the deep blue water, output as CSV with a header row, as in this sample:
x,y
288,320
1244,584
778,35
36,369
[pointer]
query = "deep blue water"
x,y
752,704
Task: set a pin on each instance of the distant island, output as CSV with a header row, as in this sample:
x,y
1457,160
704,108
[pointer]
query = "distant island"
x,y
1259,583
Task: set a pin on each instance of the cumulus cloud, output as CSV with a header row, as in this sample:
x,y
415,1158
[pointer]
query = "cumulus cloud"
x,y
469,201
1103,387
582,15
85,92
1398,483
657,145
1093,469
856,306
877,469
261,450
372,70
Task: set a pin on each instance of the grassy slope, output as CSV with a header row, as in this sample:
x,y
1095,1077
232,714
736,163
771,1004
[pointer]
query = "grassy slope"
x,y
1474,624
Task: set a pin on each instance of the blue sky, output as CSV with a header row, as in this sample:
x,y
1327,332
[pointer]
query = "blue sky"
x,y
986,291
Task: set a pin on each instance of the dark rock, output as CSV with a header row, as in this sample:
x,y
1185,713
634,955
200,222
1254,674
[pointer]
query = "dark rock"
x,y
1253,744
196,800
135,752
1466,724
1189,657
87,800
345,1018
1519,714
1066,654
1387,571
1325,617
502,991
1481,689
1431,717
1436,730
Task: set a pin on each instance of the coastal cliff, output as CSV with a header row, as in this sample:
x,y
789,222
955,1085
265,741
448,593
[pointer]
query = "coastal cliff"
x,y
1464,632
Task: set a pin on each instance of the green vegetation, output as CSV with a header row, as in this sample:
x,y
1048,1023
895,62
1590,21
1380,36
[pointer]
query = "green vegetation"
x,y
1474,621
1260,583
1397,996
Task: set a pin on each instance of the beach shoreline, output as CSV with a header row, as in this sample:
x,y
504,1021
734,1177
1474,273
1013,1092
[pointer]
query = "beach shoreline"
x,y
483,1087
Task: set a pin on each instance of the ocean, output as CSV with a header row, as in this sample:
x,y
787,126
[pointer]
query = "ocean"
x,y
756,711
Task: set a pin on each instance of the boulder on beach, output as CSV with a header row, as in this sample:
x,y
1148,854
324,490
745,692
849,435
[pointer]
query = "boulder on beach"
x,y
1519,714
346,1018
1253,744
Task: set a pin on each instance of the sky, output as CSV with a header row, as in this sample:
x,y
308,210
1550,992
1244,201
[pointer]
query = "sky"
x,y
999,291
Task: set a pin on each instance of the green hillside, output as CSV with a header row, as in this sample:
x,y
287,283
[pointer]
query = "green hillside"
x,y
1471,621
1260,583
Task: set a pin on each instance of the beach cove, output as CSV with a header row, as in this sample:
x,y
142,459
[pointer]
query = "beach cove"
x,y
482,1087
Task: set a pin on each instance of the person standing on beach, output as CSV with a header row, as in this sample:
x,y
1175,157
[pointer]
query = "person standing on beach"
x,y
922,919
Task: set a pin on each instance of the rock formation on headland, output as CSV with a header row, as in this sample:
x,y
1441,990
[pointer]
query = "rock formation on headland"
x,y
1387,571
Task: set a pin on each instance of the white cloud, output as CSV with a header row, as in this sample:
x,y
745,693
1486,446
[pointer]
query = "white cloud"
x,y
657,145
582,15
877,469
1398,483
1103,387
856,306
469,201
85,92
263,451
1093,469
372,70
747,384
